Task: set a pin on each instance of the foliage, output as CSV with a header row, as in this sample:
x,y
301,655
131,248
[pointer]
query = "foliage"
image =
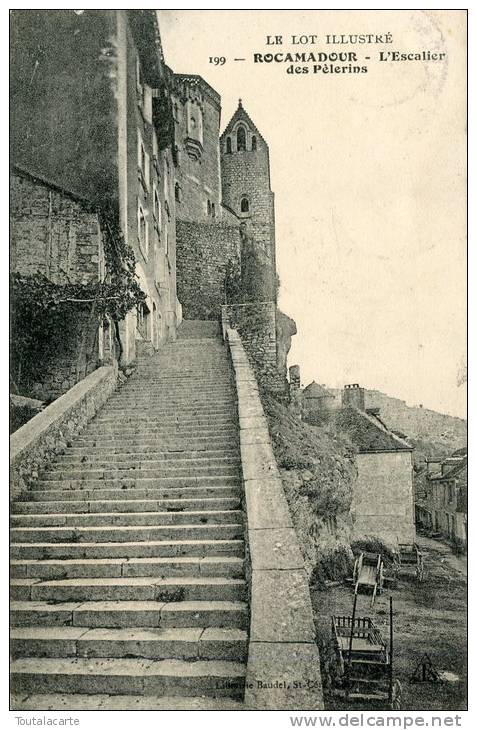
x,y
335,563
232,282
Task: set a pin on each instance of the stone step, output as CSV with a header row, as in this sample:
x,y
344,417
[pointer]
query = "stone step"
x,y
126,461
158,390
128,676
126,410
127,505
124,614
229,567
142,482
182,450
190,644
77,703
128,589
150,429
126,534
86,472
148,433
151,549
165,443
133,519
131,493
173,419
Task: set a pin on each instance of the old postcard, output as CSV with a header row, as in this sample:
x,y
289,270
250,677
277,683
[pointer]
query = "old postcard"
x,y
238,371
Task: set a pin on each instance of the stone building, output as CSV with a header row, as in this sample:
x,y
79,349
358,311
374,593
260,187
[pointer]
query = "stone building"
x,y
246,190
100,118
57,235
441,497
91,111
317,402
382,504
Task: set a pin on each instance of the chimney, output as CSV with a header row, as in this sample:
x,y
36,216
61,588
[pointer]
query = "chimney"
x,y
433,467
353,395
294,377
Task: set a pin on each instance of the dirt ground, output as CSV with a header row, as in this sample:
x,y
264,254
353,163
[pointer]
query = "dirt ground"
x,y
429,617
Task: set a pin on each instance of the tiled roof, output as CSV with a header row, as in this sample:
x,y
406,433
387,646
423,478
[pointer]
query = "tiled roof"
x,y
368,433
241,115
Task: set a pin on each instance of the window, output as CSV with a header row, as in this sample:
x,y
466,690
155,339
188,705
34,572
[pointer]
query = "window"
x,y
139,83
241,139
157,207
254,143
213,210
209,208
147,104
177,192
142,161
142,230
244,205
229,145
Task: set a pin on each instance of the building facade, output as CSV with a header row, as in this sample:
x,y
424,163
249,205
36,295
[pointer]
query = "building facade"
x,y
382,505
89,99
441,498
102,119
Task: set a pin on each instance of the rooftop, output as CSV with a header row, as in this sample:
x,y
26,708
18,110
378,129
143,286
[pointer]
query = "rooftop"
x,y
368,433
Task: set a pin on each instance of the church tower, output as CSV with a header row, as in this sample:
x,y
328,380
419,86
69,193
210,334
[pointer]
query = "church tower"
x,y
245,171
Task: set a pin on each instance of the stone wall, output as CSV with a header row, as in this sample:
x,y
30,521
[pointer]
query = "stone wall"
x,y
198,170
203,252
58,236
383,497
283,669
36,443
246,174
256,324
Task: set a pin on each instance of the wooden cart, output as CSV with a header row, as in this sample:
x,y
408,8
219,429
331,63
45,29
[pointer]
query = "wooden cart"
x,y
363,662
368,574
409,557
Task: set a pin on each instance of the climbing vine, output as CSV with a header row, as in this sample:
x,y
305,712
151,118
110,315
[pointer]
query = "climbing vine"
x,y
44,313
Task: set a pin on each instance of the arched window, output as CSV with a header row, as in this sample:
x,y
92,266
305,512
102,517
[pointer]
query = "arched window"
x,y
244,205
229,145
209,208
254,143
177,192
241,139
213,210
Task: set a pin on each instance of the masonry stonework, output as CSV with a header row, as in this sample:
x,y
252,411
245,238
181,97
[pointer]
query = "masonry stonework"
x,y
196,110
382,497
203,252
256,324
59,237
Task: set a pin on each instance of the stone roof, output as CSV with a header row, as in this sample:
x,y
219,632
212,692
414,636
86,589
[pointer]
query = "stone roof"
x,y
368,434
458,470
240,115
315,390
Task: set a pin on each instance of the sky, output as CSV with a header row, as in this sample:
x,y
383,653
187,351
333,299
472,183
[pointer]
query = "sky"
x,y
369,178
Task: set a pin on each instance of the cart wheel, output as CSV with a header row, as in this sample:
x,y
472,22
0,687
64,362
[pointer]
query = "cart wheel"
x,y
397,695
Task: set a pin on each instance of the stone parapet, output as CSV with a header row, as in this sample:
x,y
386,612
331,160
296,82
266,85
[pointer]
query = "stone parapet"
x,y
35,444
283,670
255,323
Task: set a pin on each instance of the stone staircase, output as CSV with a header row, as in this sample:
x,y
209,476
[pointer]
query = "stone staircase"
x,y
128,584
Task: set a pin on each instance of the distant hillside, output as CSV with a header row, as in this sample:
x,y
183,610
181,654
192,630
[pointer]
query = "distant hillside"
x,y
433,434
